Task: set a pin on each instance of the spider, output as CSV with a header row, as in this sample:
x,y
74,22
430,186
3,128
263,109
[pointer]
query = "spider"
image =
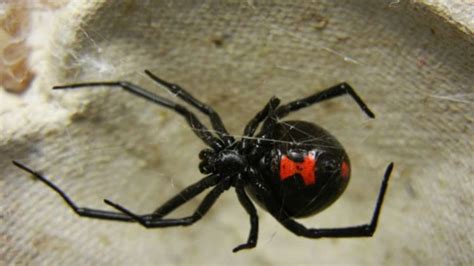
x,y
292,169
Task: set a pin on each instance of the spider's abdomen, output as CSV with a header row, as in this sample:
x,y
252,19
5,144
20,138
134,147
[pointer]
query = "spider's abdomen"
x,y
304,166
307,169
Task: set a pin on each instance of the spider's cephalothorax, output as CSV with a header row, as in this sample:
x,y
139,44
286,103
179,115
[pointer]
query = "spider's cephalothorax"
x,y
291,168
223,162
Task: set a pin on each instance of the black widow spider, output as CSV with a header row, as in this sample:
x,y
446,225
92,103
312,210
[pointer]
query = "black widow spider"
x,y
292,169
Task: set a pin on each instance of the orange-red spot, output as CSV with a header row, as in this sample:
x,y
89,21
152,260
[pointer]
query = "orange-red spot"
x,y
345,170
306,168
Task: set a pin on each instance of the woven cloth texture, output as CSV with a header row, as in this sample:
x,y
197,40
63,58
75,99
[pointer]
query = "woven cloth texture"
x,y
412,68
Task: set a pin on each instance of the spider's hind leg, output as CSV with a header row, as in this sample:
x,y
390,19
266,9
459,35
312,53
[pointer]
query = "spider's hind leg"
x,y
364,230
332,92
253,124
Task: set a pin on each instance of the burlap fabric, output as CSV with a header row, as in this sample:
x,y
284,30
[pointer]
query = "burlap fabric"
x,y
412,66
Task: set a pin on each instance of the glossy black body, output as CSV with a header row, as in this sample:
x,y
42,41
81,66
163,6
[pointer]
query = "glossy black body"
x,y
296,139
249,165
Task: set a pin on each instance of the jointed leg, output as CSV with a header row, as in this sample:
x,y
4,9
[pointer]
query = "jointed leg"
x,y
202,209
364,230
85,212
250,208
206,109
335,91
185,195
199,129
257,119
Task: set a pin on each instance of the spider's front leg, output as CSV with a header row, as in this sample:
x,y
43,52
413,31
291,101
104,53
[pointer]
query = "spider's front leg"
x,y
186,195
202,209
216,121
84,212
198,128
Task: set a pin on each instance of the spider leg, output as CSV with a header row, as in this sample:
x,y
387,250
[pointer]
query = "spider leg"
x,y
250,208
364,230
257,119
185,195
335,91
85,212
260,116
216,121
202,209
199,129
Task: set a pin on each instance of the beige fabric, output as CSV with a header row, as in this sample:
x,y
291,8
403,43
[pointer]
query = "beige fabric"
x,y
413,68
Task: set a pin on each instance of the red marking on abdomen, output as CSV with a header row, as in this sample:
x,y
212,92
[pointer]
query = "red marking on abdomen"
x,y
306,168
345,170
